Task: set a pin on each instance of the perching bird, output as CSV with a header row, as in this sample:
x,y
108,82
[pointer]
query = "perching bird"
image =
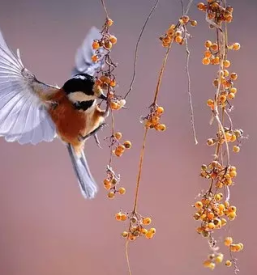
x,y
32,111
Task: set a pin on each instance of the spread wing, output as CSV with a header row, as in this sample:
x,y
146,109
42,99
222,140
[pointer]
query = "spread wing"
x,y
83,61
23,113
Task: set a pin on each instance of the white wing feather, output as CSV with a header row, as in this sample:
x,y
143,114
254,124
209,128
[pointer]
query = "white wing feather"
x,y
23,117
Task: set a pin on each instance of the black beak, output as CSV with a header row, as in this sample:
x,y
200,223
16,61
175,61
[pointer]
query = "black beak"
x,y
103,97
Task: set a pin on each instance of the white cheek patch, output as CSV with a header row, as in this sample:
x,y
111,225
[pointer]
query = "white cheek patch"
x,y
80,96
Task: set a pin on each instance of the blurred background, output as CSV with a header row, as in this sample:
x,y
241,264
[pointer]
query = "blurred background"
x,y
46,226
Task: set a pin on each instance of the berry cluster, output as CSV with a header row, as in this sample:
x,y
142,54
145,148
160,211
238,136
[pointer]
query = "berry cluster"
x,y
213,210
152,120
216,12
111,182
177,33
137,226
120,147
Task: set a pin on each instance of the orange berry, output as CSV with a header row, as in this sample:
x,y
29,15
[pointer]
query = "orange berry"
x,y
210,142
118,153
123,217
236,149
109,22
152,230
185,19
144,231
214,47
122,190
210,102
95,45
207,54
118,135
210,216
209,264
94,58
222,98
232,209
147,221
113,83
233,138
201,6
159,110
127,144
206,61
114,105
236,46
233,174
233,76
121,148
228,241
231,96
179,39
226,63
113,39
118,216
149,235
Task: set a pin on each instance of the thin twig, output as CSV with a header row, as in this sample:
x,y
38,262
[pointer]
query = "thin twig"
x,y
136,48
105,9
127,257
189,92
140,169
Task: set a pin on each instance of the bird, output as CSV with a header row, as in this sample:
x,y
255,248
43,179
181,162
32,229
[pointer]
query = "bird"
x,y
32,111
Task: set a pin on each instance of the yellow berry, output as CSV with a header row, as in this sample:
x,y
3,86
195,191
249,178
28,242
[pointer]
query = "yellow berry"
x,y
147,221
210,142
219,258
228,241
111,195
236,149
233,90
208,44
211,225
161,127
226,63
198,205
234,76
144,231
124,234
108,45
228,263
193,23
118,135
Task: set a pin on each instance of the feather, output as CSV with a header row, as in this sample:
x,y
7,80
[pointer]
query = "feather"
x,y
23,114
86,181
83,61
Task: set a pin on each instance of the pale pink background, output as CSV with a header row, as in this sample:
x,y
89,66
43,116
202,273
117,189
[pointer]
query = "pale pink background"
x,y
46,227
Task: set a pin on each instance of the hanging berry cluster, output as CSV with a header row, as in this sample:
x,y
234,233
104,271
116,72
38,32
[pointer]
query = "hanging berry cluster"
x,y
214,209
105,79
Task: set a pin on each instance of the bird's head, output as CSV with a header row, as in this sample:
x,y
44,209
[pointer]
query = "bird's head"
x,y
81,90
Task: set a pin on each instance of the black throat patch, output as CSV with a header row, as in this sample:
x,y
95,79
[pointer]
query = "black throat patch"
x,y
83,105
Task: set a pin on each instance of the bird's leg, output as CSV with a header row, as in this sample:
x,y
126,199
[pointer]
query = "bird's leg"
x,y
93,133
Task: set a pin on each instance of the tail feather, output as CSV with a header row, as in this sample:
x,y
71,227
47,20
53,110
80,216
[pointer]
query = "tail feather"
x,y
86,181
